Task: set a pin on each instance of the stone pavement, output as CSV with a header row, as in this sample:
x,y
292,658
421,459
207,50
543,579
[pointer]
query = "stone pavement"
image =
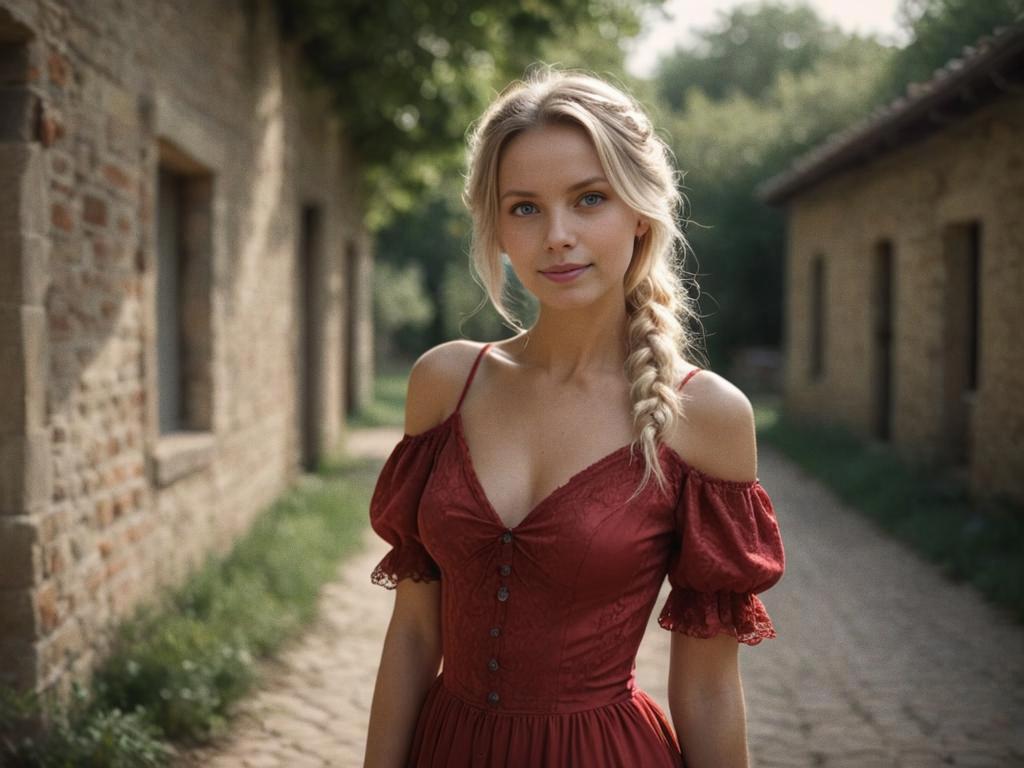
x,y
879,660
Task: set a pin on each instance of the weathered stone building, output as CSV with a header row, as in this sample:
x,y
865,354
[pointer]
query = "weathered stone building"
x,y
184,303
905,271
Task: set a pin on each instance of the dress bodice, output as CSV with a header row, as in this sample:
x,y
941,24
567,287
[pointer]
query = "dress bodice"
x,y
547,617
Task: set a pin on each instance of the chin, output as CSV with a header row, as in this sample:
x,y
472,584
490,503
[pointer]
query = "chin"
x,y
567,300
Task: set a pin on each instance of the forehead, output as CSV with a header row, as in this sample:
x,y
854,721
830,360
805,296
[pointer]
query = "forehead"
x,y
548,157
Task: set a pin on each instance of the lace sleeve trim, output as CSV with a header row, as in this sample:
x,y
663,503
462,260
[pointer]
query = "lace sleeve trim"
x,y
706,614
402,562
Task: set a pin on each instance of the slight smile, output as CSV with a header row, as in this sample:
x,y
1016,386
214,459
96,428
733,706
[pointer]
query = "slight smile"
x,y
565,272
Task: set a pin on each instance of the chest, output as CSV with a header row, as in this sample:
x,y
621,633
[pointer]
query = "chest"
x,y
519,460
589,537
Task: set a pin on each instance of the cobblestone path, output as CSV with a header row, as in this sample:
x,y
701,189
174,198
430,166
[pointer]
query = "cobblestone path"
x,y
879,660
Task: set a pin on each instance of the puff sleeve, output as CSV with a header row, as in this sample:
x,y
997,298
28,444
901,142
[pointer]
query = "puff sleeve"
x,y
729,549
394,510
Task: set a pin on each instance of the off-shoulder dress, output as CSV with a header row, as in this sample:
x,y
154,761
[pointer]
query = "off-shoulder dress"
x,y
541,622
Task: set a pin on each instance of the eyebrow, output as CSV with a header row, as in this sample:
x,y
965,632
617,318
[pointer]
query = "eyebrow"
x,y
573,188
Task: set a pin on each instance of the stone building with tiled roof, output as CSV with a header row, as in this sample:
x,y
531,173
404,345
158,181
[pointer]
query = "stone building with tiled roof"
x,y
905,271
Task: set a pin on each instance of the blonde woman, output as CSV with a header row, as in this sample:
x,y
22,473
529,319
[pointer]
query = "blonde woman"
x,y
546,484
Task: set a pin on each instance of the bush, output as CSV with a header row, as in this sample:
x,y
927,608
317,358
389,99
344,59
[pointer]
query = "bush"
x,y
82,737
181,671
400,298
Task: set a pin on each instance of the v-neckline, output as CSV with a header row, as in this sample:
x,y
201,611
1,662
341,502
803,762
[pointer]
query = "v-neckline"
x,y
481,493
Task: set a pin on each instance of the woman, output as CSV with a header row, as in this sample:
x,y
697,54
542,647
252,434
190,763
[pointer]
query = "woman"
x,y
528,541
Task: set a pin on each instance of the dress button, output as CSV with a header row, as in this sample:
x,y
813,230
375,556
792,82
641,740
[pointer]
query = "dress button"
x,y
505,570
503,594
493,665
495,631
506,537
493,697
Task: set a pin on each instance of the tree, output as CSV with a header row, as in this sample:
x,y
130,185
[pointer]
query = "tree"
x,y
400,304
745,51
939,30
729,140
408,76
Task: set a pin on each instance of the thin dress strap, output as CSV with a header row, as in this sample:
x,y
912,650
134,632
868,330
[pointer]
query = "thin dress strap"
x,y
472,373
689,376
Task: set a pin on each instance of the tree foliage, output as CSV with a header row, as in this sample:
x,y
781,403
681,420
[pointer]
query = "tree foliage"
x,y
939,30
432,235
745,51
727,148
400,303
736,124
408,76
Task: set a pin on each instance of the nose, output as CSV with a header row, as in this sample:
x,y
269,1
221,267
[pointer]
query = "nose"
x,y
560,235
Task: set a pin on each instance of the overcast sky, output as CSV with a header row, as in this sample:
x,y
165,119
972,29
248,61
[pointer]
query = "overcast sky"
x,y
661,36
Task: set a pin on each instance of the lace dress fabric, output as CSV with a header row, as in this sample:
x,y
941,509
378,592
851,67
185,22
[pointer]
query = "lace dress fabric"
x,y
541,622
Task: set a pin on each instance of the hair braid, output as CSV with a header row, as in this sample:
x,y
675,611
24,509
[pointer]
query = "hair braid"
x,y
653,365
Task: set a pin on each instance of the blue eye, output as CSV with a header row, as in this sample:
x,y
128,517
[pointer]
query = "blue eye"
x,y
518,207
595,197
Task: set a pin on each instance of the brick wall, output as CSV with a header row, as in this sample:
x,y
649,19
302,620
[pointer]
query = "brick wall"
x,y
99,505
972,171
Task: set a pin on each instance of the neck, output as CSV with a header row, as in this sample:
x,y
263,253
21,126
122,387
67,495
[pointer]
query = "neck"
x,y
573,343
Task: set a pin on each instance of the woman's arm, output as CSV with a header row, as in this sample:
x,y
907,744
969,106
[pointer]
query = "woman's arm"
x,y
408,665
704,687
412,646
705,697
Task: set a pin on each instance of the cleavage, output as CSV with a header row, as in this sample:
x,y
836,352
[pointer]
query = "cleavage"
x,y
508,477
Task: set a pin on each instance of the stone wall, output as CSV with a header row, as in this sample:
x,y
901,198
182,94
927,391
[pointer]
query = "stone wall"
x,y
915,197
100,505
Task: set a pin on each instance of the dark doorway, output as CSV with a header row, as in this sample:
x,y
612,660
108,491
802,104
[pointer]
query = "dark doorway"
x,y
307,368
962,363
816,353
882,323
351,332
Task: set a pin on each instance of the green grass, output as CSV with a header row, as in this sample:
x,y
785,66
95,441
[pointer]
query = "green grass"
x,y
388,406
181,661
980,541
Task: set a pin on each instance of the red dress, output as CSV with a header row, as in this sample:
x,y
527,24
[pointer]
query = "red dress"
x,y
541,622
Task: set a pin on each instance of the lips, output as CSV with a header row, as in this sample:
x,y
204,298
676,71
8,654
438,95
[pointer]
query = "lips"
x,y
566,273
563,268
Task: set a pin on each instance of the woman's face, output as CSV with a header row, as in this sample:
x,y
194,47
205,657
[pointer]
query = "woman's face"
x,y
556,208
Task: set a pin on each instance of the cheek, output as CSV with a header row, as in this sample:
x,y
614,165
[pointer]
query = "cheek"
x,y
515,241
616,236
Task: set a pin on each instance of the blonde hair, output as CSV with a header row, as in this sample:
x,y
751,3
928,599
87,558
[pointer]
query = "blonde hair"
x,y
640,169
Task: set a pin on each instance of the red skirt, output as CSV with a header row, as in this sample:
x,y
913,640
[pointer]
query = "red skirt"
x,y
452,733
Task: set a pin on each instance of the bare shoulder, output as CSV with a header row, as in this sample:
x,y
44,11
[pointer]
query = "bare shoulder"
x,y
435,383
716,434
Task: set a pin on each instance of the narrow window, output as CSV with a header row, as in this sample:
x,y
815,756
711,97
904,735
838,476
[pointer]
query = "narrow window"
x,y
168,326
817,317
183,294
973,289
